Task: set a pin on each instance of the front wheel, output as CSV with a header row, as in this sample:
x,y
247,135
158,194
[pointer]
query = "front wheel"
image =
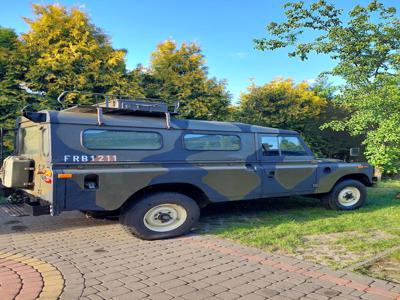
x,y
346,195
160,215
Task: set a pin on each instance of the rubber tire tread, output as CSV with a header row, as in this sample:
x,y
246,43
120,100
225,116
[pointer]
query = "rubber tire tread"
x,y
132,215
331,201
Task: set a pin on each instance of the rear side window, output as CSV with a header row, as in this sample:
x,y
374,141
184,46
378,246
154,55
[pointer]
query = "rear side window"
x,y
121,140
211,142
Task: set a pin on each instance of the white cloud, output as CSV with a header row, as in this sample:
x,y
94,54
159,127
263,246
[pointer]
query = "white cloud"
x,y
240,55
311,81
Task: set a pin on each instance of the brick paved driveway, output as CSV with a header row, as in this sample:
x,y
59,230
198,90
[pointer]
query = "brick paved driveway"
x,y
73,257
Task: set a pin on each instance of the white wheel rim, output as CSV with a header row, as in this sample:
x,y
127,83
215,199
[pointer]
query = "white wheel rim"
x,y
349,196
165,217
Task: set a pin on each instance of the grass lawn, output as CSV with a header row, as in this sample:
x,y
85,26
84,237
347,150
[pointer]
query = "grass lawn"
x,y
303,228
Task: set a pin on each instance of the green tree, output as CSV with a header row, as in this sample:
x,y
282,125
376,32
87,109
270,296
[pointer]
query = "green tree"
x,y
63,50
328,142
365,44
180,73
375,113
12,97
280,103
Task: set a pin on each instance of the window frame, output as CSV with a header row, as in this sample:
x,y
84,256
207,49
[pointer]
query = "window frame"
x,y
207,133
122,149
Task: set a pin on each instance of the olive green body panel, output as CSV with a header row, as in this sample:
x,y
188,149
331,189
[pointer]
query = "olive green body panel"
x,y
116,183
329,173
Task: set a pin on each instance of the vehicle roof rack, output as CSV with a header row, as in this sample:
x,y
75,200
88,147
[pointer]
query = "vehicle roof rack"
x,y
122,105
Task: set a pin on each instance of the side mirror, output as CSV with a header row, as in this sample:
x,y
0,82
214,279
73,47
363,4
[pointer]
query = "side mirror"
x,y
354,152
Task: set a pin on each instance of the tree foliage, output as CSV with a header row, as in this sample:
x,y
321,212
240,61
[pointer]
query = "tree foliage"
x,y
328,142
12,97
63,50
365,44
280,103
375,113
180,73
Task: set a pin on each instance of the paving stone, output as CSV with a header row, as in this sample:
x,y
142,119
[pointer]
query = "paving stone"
x,y
171,284
267,292
244,289
201,294
292,294
278,297
327,292
162,296
131,296
232,283
252,297
181,290
228,296
99,260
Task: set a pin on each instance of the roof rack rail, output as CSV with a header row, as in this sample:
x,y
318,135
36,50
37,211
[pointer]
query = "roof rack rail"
x,y
123,105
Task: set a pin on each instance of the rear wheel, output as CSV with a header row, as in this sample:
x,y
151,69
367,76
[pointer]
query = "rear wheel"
x,y
160,215
346,195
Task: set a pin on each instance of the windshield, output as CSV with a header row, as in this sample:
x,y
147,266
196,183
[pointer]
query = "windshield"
x,y
29,139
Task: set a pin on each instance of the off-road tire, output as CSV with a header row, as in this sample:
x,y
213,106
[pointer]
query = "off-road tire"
x,y
331,200
132,215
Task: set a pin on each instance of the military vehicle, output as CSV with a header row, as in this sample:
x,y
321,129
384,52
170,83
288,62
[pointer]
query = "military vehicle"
x,y
157,171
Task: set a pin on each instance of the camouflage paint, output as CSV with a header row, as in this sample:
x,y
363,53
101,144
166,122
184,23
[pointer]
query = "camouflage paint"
x,y
337,170
290,176
221,175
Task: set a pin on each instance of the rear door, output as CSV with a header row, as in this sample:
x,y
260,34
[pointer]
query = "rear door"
x,y
226,163
288,166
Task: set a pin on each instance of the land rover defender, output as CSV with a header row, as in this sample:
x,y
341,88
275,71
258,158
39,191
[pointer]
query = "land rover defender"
x,y
134,157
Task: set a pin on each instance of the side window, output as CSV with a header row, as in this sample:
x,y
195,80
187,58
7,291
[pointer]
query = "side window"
x,y
270,145
291,146
282,146
121,140
211,142
29,137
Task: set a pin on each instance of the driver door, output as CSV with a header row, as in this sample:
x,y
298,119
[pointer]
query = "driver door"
x,y
288,166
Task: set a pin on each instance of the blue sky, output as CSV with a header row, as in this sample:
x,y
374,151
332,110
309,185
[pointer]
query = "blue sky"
x,y
223,28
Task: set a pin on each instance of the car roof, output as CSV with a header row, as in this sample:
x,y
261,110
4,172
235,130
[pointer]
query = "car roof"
x,y
157,122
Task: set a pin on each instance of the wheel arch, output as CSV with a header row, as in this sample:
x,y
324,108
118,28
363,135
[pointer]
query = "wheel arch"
x,y
363,178
187,189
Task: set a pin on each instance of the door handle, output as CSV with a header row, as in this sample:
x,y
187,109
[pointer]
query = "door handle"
x,y
271,174
250,167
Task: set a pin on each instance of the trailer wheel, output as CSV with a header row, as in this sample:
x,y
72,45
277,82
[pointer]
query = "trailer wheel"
x,y
160,215
346,195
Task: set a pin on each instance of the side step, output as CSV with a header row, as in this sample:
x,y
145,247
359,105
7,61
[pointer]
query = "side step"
x,y
13,210
24,209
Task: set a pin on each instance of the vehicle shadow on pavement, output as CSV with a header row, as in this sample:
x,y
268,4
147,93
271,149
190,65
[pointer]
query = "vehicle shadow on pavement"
x,y
10,224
